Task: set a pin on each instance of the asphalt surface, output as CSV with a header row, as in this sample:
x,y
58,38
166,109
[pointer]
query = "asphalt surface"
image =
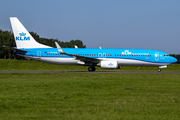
x,y
120,72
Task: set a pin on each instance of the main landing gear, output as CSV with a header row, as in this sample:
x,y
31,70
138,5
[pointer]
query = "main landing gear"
x,y
159,70
91,68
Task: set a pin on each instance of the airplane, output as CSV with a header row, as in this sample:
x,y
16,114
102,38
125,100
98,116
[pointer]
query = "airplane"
x,y
29,48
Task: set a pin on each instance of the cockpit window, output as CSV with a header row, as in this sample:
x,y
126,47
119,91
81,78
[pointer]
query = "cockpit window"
x,y
166,55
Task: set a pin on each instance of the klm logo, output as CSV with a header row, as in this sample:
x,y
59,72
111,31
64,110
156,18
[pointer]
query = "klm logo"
x,y
110,64
22,37
126,52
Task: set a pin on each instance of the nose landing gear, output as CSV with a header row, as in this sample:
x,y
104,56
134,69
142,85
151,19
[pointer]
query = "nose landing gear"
x,y
159,70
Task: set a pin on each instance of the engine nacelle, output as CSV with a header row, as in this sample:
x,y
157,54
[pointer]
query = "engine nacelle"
x,y
109,65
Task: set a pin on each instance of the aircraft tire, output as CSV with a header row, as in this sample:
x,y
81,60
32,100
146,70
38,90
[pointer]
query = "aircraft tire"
x,y
159,70
94,68
90,69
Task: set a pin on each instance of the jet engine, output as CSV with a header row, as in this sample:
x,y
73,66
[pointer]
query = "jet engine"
x,y
109,65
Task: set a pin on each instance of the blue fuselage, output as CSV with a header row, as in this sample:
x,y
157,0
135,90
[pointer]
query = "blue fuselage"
x,y
135,57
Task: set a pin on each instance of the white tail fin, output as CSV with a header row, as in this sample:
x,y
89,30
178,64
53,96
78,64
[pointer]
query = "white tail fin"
x,y
22,37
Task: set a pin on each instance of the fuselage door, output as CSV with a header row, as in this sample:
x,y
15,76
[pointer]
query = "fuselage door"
x,y
39,54
100,55
156,56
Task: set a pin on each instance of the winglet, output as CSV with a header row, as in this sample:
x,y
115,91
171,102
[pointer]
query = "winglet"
x,y
59,48
75,46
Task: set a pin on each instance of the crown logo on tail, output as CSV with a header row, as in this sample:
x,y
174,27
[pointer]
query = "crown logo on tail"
x,y
22,34
22,37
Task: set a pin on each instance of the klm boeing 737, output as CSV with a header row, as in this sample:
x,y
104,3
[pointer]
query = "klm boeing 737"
x,y
104,58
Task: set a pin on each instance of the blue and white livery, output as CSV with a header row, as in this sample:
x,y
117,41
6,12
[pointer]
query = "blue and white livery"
x,y
104,58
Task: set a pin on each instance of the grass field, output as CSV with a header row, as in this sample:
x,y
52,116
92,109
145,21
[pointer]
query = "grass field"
x,y
35,65
89,96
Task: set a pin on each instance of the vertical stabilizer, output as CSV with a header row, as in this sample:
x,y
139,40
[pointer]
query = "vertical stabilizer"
x,y
22,37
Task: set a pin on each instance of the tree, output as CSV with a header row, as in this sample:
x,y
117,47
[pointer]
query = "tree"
x,y
7,39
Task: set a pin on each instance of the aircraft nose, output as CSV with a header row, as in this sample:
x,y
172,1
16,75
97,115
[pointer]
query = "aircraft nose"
x,y
173,60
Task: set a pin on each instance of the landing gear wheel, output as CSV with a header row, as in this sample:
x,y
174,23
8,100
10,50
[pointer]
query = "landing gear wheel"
x,y
159,70
94,68
90,69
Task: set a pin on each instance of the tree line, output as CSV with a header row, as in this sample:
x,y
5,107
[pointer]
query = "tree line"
x,y
7,39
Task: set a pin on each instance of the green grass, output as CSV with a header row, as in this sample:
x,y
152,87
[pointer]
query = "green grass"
x,y
89,96
35,65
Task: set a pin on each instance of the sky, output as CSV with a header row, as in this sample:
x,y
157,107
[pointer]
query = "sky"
x,y
129,24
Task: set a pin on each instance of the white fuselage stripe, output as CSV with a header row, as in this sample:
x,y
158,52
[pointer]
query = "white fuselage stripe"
x,y
73,61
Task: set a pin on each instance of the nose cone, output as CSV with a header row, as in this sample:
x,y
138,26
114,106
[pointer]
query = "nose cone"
x,y
173,60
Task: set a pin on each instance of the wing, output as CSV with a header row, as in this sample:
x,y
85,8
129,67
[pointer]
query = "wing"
x,y
81,58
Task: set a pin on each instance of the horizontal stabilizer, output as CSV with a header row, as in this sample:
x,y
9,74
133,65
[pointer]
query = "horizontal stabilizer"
x,y
12,48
